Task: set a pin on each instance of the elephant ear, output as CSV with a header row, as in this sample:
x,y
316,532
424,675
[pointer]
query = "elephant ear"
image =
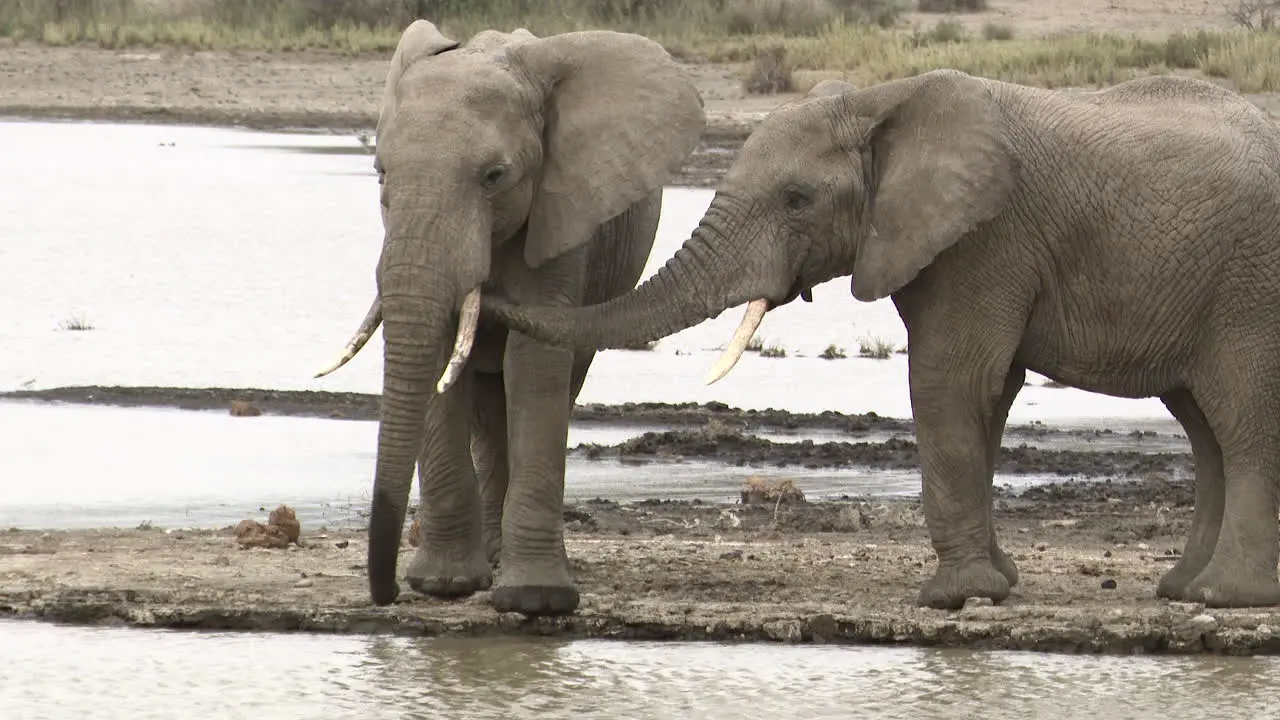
x,y
418,40
940,164
619,118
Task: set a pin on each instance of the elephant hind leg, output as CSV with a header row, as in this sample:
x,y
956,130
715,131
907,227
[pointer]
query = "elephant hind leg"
x,y
489,453
1241,403
1210,495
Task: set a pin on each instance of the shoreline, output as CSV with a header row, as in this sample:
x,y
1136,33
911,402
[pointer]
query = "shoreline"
x,y
717,434
797,573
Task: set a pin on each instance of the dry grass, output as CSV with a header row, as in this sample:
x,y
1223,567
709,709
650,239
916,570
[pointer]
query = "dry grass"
x,y
862,38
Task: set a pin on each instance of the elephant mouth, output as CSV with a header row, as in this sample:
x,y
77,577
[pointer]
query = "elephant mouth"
x,y
756,310
799,289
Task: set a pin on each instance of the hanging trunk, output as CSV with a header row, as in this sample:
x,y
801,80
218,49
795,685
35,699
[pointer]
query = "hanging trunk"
x,y
416,329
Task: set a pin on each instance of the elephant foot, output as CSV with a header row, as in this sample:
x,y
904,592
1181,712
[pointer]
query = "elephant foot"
x,y
1004,565
951,585
535,591
1173,584
439,575
1223,585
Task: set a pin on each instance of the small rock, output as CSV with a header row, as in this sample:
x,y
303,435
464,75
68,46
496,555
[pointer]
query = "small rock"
x,y
415,529
244,408
1106,554
1024,531
1042,546
304,583
731,555
1143,546
976,602
1108,584
1204,622
286,519
1187,607
341,544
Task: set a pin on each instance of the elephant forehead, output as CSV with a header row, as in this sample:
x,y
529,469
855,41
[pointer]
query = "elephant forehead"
x,y
461,80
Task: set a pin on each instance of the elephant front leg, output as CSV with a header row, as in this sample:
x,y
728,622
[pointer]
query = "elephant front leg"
x,y
995,435
489,450
534,577
955,421
450,560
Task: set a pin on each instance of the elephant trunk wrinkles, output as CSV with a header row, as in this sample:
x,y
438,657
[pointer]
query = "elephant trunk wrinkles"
x,y
675,298
415,332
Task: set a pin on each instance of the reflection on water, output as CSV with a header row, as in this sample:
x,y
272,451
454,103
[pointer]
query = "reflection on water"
x,y
60,672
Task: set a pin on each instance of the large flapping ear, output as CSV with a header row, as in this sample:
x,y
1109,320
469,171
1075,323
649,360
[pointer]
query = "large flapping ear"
x,y
620,117
940,164
418,40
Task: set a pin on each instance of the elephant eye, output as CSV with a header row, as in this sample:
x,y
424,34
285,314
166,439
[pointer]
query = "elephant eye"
x,y
493,176
796,199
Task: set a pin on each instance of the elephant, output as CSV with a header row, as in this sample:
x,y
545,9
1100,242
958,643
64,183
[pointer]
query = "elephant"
x,y
526,165
1124,241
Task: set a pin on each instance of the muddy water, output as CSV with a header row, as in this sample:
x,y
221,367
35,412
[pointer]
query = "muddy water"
x,y
51,673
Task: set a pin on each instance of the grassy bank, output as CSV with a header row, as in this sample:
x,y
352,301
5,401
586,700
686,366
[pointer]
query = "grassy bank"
x,y
861,40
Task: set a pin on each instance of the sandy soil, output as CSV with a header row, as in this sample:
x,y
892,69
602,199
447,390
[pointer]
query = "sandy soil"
x,y
800,573
339,94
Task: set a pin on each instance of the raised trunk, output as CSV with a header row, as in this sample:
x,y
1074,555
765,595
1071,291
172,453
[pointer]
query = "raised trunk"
x,y
416,329
685,291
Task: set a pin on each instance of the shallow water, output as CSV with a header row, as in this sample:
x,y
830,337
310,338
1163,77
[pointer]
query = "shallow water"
x,y
219,257
51,673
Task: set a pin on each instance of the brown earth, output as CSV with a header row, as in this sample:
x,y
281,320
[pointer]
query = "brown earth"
x,y
334,93
801,573
711,432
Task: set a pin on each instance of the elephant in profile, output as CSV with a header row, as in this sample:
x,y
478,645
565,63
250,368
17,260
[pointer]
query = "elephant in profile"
x,y
1124,241
533,167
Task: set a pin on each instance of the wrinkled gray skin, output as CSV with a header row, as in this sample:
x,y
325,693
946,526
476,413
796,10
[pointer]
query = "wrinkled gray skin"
x,y
533,168
1124,241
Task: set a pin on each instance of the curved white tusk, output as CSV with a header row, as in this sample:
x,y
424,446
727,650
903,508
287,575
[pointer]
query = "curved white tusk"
x,y
467,319
371,322
738,345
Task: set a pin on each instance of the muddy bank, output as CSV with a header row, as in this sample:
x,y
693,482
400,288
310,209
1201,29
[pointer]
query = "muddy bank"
x,y
843,572
297,91
711,432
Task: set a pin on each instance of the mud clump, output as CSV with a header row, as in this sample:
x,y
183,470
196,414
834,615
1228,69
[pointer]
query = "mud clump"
x,y
415,531
282,527
758,491
244,408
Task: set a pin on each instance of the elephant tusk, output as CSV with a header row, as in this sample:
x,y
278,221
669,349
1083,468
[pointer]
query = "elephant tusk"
x,y
467,319
371,322
738,345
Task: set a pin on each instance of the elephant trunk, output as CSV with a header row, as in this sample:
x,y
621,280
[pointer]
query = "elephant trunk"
x,y
417,301
675,298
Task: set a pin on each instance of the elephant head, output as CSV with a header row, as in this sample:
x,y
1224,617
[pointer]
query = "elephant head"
x,y
510,138
873,182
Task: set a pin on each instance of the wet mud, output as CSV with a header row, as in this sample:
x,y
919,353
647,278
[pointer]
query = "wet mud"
x,y
709,432
793,572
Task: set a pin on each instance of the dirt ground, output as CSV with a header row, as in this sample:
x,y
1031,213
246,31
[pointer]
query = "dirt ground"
x,y
799,573
339,94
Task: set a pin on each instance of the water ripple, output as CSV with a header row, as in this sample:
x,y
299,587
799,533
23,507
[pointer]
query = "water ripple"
x,y
53,672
